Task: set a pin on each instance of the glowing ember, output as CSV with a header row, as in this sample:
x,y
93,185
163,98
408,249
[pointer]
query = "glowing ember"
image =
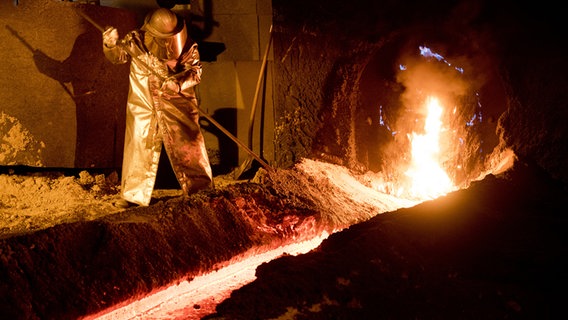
x,y
428,179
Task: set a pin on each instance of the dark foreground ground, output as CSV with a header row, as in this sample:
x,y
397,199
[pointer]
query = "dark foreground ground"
x,y
493,251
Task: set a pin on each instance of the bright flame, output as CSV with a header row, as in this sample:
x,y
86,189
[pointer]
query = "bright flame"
x,y
428,179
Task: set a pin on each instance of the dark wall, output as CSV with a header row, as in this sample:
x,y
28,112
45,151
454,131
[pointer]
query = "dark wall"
x,y
329,55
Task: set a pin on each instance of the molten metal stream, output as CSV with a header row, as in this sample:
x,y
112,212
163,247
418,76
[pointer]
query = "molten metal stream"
x,y
199,297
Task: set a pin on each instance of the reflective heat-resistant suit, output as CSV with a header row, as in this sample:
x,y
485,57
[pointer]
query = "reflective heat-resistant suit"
x,y
156,117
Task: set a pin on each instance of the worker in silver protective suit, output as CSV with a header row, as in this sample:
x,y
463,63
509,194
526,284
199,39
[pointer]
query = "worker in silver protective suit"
x,y
162,106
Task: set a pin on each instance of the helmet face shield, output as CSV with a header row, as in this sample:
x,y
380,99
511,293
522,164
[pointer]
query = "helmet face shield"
x,y
176,43
166,34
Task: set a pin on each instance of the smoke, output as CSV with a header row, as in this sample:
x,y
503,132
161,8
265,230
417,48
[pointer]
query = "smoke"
x,y
422,77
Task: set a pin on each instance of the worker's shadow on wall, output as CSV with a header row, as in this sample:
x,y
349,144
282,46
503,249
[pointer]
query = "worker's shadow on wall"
x,y
99,90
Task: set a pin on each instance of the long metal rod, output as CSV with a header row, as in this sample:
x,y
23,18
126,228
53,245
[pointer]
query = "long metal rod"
x,y
204,114
248,161
258,82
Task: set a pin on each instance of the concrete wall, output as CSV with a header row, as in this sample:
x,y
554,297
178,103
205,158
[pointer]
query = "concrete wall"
x,y
62,101
230,79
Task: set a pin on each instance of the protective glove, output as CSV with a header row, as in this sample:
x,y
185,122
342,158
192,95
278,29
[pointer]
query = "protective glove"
x,y
110,37
170,87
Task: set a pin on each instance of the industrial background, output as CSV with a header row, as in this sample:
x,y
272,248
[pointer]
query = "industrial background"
x,y
65,104
326,90
344,89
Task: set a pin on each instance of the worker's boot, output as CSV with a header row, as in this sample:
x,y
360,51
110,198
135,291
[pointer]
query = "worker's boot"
x,y
123,204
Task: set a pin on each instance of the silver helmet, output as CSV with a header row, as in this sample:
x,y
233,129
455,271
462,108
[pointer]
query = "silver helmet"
x,y
166,34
